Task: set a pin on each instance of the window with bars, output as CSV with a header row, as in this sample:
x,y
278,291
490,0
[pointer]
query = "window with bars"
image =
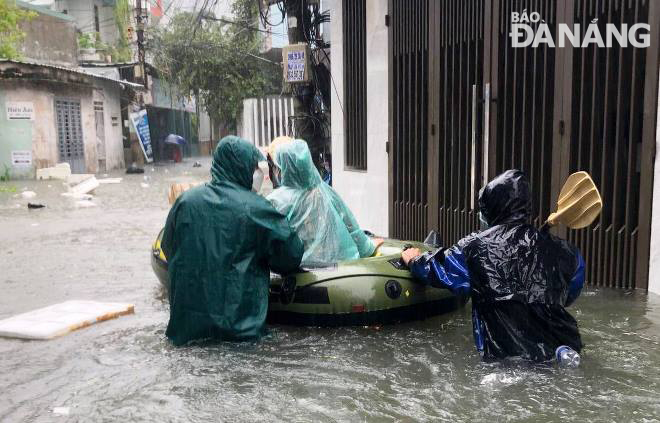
x,y
97,27
355,83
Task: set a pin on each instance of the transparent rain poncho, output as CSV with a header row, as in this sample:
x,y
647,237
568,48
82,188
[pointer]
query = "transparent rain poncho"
x,y
315,212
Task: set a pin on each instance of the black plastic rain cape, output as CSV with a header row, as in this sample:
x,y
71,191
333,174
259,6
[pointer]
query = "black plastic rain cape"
x,y
520,278
221,239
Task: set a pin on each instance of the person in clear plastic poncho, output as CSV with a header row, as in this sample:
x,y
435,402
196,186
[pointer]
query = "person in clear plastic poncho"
x,y
329,231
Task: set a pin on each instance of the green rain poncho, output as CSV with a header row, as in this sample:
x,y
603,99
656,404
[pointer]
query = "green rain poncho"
x,y
221,239
323,222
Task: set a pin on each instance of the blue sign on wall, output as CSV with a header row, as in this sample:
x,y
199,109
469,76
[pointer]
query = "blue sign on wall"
x,y
141,125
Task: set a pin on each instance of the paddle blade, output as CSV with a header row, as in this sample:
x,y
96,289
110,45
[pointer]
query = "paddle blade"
x,y
282,139
177,189
579,202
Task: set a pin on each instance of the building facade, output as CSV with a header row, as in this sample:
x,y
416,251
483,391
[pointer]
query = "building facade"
x,y
54,111
366,190
53,114
433,100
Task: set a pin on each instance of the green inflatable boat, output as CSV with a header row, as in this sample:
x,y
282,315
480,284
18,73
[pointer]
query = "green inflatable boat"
x,y
369,291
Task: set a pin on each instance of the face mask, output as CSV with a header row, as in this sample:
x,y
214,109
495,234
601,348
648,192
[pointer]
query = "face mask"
x,y
257,180
484,225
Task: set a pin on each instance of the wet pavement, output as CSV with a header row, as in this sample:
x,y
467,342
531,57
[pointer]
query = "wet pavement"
x,y
125,370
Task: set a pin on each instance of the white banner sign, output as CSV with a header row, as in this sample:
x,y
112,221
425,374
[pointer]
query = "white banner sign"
x,y
20,110
21,158
296,66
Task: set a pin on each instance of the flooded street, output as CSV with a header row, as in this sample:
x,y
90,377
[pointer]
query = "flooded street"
x,y
126,370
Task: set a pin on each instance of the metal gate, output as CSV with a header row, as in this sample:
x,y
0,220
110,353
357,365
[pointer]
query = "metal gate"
x,y
69,134
522,102
409,81
609,112
455,130
547,111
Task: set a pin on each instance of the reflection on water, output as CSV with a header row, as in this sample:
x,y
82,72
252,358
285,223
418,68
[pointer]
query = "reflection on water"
x,y
126,370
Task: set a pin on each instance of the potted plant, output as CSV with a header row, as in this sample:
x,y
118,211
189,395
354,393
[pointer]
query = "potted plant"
x,y
87,43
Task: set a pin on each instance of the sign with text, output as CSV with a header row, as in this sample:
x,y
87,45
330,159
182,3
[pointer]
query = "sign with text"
x,y
20,110
296,63
295,69
21,158
141,125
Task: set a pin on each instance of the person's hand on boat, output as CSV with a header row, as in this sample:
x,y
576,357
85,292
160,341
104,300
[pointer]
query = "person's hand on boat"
x,y
410,254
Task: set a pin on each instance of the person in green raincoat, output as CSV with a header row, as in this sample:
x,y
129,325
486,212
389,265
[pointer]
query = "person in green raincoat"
x,y
315,211
221,240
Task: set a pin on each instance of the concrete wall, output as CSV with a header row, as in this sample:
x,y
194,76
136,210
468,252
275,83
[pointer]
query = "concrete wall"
x,y
49,39
14,135
83,13
654,259
163,96
40,135
366,193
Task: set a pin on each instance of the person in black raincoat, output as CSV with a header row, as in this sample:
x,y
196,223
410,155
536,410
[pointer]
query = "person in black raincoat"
x,y
520,278
221,240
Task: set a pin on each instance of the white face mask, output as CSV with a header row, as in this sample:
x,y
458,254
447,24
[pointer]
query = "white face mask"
x,y
257,180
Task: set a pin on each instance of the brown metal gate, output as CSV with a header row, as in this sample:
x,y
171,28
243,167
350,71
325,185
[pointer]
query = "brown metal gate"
x,y
547,111
609,107
409,80
455,122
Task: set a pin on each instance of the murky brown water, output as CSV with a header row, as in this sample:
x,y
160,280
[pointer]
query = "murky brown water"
x,y
125,370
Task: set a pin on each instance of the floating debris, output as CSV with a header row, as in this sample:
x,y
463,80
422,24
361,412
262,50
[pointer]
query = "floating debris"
x,y
28,194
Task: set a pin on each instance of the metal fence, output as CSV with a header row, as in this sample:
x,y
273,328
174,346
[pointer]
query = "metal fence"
x,y
266,118
485,106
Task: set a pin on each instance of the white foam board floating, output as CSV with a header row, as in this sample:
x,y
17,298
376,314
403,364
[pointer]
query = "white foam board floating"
x,y
85,187
60,171
60,319
109,181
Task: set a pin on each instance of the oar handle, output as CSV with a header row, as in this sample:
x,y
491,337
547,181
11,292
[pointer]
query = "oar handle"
x,y
551,221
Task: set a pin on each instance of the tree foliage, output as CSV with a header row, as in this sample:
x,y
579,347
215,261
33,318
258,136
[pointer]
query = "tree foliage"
x,y
215,60
121,51
10,32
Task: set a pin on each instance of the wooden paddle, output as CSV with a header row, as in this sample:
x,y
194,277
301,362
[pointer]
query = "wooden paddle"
x,y
276,142
179,188
579,203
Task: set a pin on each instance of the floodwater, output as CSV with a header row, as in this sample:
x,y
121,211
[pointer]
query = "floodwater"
x,y
125,369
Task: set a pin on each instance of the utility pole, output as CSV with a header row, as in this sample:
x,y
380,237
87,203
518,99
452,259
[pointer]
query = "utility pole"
x,y
140,18
295,11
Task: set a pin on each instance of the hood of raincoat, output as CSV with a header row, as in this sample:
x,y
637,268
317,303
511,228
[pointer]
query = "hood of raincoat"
x,y
296,164
329,231
222,241
235,161
506,199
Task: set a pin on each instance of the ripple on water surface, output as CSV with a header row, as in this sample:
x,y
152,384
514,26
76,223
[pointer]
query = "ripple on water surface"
x,y
125,370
